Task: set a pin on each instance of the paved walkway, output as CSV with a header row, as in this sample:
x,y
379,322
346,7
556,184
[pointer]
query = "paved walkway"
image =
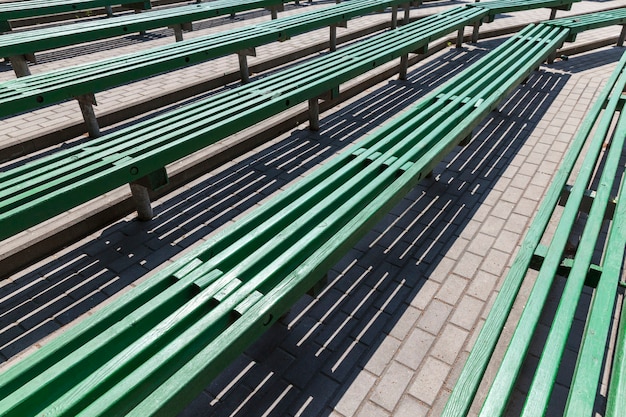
x,y
389,334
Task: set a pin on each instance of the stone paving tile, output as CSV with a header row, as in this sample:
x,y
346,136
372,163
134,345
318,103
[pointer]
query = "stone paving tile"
x,y
390,332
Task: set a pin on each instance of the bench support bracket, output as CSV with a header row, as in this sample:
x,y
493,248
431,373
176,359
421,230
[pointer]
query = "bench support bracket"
x,y
86,103
333,35
244,70
179,28
314,108
141,188
20,64
587,201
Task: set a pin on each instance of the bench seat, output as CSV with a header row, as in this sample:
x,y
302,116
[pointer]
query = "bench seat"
x,y
155,348
35,8
597,148
39,90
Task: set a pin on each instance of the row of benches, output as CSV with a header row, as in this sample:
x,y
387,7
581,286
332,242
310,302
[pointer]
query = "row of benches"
x,y
83,81
138,154
599,145
21,46
152,350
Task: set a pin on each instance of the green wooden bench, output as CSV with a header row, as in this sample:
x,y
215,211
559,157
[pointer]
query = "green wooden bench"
x,y
35,8
138,154
83,81
156,347
604,127
21,46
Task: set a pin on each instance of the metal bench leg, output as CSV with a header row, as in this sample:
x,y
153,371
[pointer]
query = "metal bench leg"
x,y
394,17
141,197
475,32
404,67
20,65
459,37
141,187
178,32
552,14
274,12
333,34
407,14
109,10
314,114
622,36
243,63
86,103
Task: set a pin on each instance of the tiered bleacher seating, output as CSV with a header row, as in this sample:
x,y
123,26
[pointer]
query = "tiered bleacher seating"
x,y
83,81
153,349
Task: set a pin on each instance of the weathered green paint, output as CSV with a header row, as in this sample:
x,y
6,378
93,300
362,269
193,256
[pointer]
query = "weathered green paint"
x,y
31,41
616,399
582,398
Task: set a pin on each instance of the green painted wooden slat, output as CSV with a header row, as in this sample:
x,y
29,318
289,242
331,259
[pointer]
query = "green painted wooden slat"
x,y
516,352
616,398
586,379
410,139
586,376
60,85
504,6
36,40
168,395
